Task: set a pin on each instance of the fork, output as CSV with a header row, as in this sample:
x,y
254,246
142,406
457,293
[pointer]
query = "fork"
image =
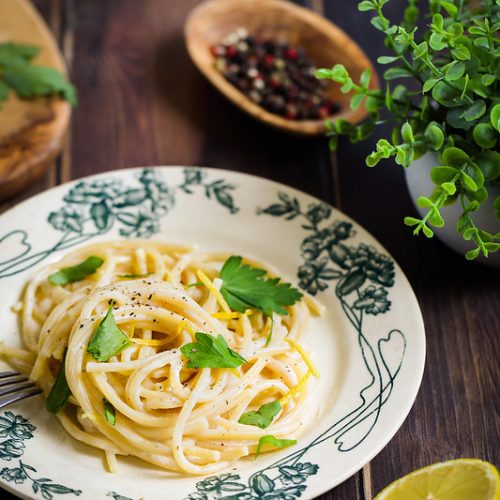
x,y
14,386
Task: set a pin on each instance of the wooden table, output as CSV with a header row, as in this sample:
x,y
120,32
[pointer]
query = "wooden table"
x,y
142,102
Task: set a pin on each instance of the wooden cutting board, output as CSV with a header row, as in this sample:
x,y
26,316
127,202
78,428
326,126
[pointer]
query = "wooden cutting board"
x,y
31,131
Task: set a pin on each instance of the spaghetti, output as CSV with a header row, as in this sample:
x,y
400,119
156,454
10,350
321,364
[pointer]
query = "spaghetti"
x,y
177,417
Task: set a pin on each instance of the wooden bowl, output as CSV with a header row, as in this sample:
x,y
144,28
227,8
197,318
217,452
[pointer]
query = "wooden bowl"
x,y
326,44
31,131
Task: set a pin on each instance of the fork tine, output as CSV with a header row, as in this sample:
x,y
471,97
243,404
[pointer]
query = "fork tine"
x,y
8,374
12,380
17,396
16,388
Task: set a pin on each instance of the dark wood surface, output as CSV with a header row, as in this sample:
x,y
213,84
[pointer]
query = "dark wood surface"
x,y
142,102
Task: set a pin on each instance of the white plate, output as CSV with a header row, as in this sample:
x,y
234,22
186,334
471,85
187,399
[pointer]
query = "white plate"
x,y
369,347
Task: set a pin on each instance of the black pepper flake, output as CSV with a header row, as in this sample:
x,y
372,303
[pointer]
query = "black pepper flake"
x,y
150,296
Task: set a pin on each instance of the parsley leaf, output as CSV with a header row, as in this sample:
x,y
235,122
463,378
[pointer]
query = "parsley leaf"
x,y
76,273
273,441
27,80
108,339
211,352
33,81
109,412
263,416
244,286
60,392
14,53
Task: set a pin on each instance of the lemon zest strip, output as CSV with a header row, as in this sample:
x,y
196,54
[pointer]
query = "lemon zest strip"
x,y
297,389
213,290
307,359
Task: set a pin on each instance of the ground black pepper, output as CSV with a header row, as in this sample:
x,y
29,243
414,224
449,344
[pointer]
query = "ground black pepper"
x,y
275,75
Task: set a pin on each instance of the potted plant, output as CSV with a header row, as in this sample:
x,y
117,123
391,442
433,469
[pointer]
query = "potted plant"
x,y
448,122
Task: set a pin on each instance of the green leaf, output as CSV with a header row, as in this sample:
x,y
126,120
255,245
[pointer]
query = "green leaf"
x,y
475,111
411,221
424,202
472,254
323,74
454,157
269,439
13,53
487,79
429,233
393,73
485,135
444,94
347,87
438,21
211,352
339,73
450,8
365,78
442,174
407,133
108,339
387,59
365,5
60,391
429,84
434,136
455,72
244,287
76,273
468,182
461,52
435,219
109,412
263,416
378,23
449,187
421,50
489,163
34,81
495,117
356,100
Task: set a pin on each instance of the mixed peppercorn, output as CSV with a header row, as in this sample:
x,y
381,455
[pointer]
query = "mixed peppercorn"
x,y
274,75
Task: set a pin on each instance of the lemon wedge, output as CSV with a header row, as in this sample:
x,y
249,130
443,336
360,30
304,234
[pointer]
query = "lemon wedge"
x,y
460,479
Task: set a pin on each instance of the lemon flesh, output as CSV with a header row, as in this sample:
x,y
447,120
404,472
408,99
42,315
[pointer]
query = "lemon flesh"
x,y
461,479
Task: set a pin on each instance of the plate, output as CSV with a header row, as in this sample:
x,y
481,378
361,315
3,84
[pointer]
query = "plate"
x,y
369,346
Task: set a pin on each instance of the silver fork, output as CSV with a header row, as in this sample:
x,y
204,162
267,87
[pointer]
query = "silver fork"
x,y
14,386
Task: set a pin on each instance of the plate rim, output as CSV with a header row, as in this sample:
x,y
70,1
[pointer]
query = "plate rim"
x,y
419,355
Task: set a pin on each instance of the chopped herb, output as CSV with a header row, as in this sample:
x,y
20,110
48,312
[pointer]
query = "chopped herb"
x,y
27,80
109,412
244,286
60,392
108,339
76,273
263,416
198,283
134,276
211,352
273,441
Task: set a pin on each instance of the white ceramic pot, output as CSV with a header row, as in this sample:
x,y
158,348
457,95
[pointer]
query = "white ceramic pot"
x,y
419,183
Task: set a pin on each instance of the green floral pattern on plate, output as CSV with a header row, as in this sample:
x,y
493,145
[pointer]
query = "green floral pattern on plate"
x,y
94,207
17,429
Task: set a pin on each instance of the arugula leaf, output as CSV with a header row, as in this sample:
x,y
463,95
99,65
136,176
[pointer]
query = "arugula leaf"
x,y
76,273
108,339
60,392
244,286
134,276
263,416
109,412
14,53
211,352
274,441
32,81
